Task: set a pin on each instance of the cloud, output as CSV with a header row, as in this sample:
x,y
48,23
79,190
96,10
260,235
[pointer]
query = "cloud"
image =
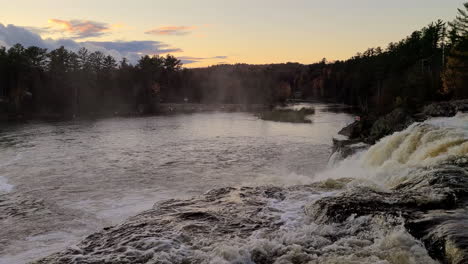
x,y
132,50
79,28
189,60
146,46
10,35
171,30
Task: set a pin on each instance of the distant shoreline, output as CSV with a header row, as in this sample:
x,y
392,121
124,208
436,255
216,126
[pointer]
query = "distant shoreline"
x,y
162,109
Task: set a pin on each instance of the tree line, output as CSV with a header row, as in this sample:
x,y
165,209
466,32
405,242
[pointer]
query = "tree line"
x,y
67,83
429,65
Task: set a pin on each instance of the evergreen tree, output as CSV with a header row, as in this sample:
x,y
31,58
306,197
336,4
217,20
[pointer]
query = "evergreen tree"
x,y
455,76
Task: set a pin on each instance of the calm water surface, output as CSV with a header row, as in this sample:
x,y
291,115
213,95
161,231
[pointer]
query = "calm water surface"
x,y
61,181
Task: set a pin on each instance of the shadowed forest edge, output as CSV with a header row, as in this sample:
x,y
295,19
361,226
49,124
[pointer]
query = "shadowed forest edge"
x,y
429,65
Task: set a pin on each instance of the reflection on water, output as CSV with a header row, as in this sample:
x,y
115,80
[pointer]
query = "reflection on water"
x,y
61,181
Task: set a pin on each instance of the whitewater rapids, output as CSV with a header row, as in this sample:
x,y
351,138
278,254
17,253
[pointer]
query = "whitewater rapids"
x,y
357,211
398,157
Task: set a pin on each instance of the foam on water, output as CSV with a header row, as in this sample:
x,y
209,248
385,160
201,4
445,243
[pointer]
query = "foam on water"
x,y
4,186
366,239
287,179
298,106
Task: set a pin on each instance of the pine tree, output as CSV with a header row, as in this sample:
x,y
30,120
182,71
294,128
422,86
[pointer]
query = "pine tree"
x,y
455,76
461,21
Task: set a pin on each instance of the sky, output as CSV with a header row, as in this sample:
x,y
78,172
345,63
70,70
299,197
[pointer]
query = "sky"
x,y
209,32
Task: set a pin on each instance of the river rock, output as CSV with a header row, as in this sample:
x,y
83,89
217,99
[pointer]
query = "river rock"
x,y
396,120
260,225
433,206
343,148
445,109
171,225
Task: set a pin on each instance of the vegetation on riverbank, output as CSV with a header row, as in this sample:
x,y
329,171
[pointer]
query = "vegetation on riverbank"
x,y
429,65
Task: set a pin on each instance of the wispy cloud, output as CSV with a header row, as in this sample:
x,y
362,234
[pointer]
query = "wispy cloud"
x,y
189,60
144,47
79,29
132,50
171,30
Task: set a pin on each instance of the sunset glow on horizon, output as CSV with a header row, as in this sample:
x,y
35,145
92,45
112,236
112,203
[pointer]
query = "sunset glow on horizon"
x,y
209,32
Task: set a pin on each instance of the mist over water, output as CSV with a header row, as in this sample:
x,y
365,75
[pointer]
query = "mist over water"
x,y
62,181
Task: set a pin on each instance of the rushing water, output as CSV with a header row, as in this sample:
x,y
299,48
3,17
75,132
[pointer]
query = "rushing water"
x,y
406,154
62,181
402,201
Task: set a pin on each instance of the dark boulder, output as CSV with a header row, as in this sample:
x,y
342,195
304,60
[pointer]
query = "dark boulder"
x,y
395,121
353,130
445,109
444,234
346,148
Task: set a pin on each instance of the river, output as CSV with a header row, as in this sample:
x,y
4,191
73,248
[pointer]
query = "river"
x,y
62,181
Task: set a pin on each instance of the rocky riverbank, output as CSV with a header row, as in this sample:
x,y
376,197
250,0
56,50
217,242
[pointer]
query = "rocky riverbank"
x,y
368,130
434,204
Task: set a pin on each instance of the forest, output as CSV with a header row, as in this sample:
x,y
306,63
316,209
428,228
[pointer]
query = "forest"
x,y
429,65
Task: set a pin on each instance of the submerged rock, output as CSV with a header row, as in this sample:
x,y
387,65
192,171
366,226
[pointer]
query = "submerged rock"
x,y
174,224
444,233
248,225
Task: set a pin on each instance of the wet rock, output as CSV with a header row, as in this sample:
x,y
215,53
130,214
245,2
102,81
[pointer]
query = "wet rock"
x,y
358,130
445,109
218,215
256,225
371,129
353,130
346,148
444,231
367,131
433,205
444,234
395,121
365,201
242,225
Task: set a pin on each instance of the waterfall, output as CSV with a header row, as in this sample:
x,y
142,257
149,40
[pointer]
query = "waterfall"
x,y
397,157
